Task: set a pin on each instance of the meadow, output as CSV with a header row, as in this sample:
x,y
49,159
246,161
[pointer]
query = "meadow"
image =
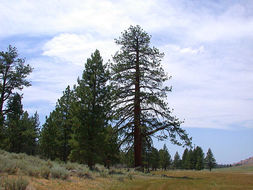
x,y
23,172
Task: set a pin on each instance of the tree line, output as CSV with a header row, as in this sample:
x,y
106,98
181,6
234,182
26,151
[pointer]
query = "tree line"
x,y
192,159
113,111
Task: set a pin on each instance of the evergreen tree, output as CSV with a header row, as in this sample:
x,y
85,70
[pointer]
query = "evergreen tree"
x,y
21,130
30,133
190,160
177,161
91,110
165,158
154,158
184,159
48,141
64,110
140,109
110,151
210,160
199,157
14,138
58,127
127,157
146,153
13,73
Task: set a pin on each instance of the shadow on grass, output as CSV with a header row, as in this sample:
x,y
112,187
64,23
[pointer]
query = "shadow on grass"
x,y
176,177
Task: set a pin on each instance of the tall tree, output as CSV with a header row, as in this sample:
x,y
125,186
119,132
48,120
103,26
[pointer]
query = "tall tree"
x,y
13,73
140,107
210,160
92,113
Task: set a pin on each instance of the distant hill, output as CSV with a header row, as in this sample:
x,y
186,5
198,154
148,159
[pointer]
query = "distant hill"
x,y
248,161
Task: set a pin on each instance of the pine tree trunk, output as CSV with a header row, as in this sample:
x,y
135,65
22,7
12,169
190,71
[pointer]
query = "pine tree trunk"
x,y
137,113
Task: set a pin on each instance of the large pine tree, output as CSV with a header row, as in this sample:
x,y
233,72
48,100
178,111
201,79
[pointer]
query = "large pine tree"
x,y
92,110
140,107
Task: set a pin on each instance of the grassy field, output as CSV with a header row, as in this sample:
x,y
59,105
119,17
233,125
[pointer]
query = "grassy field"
x,y
190,180
22,172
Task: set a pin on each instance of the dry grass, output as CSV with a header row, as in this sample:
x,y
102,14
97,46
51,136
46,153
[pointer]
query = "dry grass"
x,y
46,175
73,183
190,180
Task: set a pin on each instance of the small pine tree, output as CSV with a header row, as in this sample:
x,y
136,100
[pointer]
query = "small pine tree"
x,y
154,158
14,139
177,161
48,142
30,134
210,160
184,159
199,165
165,158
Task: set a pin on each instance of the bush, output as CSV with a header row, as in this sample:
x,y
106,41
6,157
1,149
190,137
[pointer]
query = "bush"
x,y
103,174
8,166
32,171
59,172
45,172
116,172
130,176
15,184
71,166
84,174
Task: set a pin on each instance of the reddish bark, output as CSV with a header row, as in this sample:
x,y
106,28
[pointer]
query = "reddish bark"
x,y
137,113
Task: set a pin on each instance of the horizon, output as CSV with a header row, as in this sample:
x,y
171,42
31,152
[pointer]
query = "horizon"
x,y
208,52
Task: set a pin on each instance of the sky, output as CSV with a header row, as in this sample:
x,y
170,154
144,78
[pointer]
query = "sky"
x,y
208,48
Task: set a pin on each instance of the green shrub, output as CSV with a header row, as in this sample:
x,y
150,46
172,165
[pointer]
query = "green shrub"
x,y
15,184
59,172
99,168
115,172
45,172
121,179
84,174
32,171
71,166
103,173
49,164
130,176
8,166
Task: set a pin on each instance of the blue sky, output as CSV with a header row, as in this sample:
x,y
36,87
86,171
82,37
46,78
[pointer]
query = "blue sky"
x,y
208,52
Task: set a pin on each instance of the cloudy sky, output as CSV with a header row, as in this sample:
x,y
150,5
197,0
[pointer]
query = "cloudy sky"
x,y
208,48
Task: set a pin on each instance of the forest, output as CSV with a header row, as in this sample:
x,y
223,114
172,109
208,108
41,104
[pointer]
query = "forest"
x,y
110,116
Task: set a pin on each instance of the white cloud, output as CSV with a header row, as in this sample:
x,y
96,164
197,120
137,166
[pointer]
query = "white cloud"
x,y
207,46
75,49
